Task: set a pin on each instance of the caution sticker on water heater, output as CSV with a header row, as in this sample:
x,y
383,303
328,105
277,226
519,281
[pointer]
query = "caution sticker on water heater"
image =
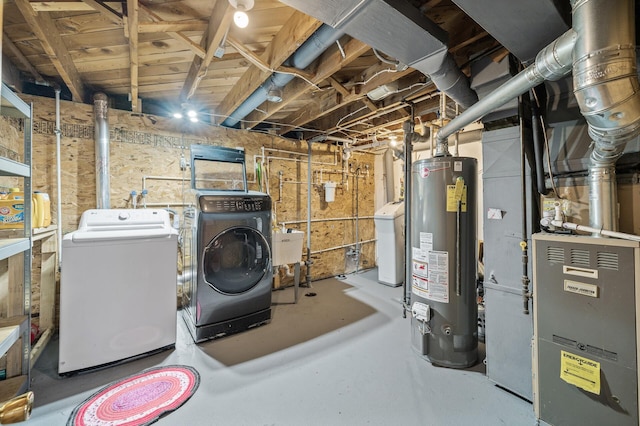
x,y
581,372
431,280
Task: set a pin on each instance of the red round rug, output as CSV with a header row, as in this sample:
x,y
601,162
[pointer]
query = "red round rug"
x,y
139,399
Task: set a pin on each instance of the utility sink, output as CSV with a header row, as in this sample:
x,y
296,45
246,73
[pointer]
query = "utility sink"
x,y
286,247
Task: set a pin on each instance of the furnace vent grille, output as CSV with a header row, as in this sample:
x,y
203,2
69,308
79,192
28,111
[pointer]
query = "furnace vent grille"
x,y
608,261
580,257
555,254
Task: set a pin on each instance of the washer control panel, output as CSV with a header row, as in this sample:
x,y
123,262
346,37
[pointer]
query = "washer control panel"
x,y
223,204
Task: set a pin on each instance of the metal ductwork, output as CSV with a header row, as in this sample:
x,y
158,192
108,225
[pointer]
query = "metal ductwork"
x,y
315,45
552,63
101,136
522,26
606,87
399,30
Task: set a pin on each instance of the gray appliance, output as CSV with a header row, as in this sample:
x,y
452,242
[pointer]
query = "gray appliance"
x,y
227,252
226,247
586,330
444,310
508,331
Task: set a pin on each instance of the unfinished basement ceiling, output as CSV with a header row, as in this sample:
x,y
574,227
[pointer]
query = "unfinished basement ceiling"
x,y
156,56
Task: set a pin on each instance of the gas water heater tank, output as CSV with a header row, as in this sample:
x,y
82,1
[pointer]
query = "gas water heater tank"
x,y
444,310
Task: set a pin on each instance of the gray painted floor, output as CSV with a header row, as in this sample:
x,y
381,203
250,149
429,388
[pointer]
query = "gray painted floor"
x,y
360,372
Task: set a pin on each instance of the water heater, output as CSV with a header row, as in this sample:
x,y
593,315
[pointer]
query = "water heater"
x,y
444,322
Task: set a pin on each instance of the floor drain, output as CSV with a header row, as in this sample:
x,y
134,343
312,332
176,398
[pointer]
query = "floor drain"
x,y
310,294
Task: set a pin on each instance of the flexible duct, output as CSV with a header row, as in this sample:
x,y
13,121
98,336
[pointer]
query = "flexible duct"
x,y
101,135
608,92
315,45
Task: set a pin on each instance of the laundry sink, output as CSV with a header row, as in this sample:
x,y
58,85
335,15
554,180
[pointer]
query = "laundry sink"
x,y
286,247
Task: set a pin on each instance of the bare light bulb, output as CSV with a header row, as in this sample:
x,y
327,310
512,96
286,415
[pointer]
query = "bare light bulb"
x,y
193,119
192,114
240,17
177,115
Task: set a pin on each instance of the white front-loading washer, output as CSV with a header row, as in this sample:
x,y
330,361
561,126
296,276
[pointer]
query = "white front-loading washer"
x,y
118,288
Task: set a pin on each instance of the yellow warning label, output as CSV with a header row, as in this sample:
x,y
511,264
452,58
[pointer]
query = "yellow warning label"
x,y
452,201
581,372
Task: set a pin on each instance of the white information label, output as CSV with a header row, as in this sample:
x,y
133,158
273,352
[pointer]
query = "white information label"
x,y
584,289
418,255
438,276
421,269
457,166
420,287
420,311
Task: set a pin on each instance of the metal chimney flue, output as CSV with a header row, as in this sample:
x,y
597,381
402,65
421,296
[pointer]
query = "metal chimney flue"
x,y
101,135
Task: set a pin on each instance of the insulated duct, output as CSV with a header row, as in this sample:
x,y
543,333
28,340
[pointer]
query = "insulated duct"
x,y
101,136
608,92
399,30
315,45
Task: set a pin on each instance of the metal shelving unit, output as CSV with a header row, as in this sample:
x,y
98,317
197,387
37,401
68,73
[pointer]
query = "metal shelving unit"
x,y
15,329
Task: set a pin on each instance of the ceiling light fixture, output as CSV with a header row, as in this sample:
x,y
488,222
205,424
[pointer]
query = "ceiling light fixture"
x,y
240,16
274,94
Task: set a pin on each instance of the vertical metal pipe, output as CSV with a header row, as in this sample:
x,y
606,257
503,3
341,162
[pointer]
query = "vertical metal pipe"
x,y
408,153
101,134
607,89
58,133
523,201
603,197
309,177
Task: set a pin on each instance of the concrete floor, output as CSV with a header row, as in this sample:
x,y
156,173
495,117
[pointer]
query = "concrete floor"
x,y
359,371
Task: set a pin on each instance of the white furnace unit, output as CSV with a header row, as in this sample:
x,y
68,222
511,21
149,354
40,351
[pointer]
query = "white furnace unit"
x,y
118,288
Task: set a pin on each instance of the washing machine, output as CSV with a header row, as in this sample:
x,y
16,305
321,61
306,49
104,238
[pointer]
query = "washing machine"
x,y
227,263
118,288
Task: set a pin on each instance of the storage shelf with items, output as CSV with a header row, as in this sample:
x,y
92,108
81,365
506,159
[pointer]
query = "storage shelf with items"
x,y
15,258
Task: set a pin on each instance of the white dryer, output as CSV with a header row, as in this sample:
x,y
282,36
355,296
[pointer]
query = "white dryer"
x,y
118,288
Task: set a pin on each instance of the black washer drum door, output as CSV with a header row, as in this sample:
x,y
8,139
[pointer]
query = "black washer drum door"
x,y
236,260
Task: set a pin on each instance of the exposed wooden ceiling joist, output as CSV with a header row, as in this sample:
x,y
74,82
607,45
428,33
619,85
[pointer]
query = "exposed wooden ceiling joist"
x,y
132,20
106,11
46,31
186,41
221,17
8,44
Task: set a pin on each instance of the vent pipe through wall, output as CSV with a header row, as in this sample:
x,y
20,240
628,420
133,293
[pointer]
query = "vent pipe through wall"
x,y
101,136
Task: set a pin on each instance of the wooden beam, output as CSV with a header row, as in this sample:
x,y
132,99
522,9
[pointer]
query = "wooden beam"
x,y
469,41
194,47
221,17
46,31
328,65
132,21
248,54
339,87
292,34
8,44
107,12
166,26
60,6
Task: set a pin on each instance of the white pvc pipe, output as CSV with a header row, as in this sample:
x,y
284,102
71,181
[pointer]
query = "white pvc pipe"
x,y
557,222
58,179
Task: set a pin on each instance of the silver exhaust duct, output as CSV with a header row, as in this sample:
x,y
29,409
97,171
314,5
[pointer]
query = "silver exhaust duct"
x,y
400,30
552,63
101,136
608,92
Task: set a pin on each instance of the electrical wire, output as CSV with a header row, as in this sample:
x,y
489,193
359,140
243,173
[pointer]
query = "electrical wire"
x,y
547,149
383,59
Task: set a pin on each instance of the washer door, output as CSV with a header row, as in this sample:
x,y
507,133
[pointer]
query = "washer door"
x,y
235,260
